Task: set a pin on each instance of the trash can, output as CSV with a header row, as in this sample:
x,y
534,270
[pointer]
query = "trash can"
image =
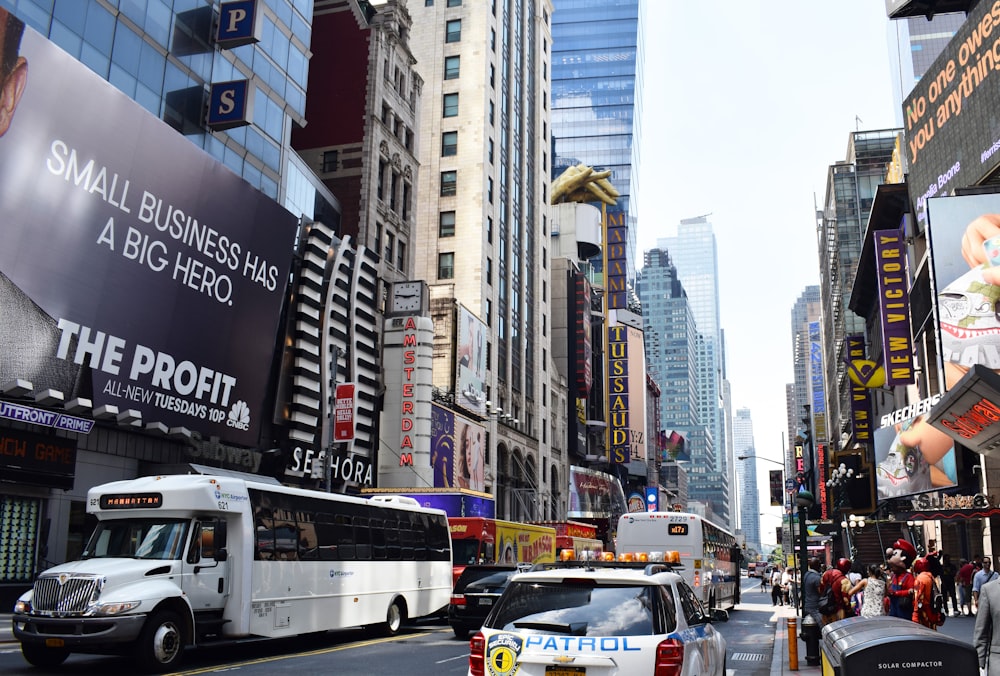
x,y
860,646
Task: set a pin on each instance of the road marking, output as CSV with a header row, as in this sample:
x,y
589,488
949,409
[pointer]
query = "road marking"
x,y
452,659
311,653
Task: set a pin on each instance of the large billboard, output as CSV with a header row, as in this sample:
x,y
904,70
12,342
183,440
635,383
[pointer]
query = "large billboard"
x,y
951,118
471,367
906,462
135,270
458,451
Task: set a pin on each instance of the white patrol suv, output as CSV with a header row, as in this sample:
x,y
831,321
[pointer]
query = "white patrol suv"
x,y
598,619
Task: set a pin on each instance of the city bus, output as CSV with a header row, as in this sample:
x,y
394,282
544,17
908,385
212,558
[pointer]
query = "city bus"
x,y
709,554
478,540
185,560
577,537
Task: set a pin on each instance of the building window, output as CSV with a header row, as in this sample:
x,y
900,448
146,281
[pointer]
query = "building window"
x,y
449,183
453,30
493,76
407,197
489,273
492,112
451,67
489,151
493,40
489,189
395,191
450,105
454,3
401,255
390,244
446,224
409,140
449,144
382,166
446,266
386,114
428,3
329,161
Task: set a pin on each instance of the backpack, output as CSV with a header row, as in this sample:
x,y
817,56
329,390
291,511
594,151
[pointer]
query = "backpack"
x,y
937,599
828,602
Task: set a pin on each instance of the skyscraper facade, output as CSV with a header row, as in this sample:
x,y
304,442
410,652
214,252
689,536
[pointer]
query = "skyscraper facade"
x,y
670,336
746,479
694,251
482,220
597,59
850,191
914,43
805,311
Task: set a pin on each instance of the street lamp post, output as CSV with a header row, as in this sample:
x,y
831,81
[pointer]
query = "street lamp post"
x,y
803,500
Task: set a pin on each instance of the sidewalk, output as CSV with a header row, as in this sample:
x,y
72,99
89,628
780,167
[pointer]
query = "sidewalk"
x,y
780,665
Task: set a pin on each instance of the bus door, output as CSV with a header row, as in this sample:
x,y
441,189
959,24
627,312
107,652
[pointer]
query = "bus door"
x,y
206,567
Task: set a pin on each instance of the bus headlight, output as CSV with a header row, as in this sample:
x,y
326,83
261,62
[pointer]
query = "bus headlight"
x,y
106,609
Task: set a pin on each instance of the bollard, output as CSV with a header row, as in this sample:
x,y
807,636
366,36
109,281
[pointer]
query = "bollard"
x,y
793,645
810,634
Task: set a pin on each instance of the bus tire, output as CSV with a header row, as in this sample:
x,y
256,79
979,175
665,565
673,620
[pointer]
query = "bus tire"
x,y
43,657
161,642
394,618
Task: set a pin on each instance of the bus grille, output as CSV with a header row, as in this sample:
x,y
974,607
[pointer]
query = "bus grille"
x,y
59,594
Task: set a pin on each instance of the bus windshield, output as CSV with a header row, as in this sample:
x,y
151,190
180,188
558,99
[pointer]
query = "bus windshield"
x,y
138,538
465,552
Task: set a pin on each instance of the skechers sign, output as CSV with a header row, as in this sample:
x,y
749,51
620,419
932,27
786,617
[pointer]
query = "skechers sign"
x,y
136,270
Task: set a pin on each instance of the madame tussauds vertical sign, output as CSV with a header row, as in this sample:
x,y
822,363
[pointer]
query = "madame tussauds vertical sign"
x,y
618,429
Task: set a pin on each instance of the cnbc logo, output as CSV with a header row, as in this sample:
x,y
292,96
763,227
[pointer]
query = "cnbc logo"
x,y
239,416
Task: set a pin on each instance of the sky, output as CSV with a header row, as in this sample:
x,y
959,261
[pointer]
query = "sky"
x,y
745,106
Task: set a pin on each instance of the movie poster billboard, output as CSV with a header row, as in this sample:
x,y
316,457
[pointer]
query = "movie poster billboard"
x,y
458,451
905,461
135,270
470,353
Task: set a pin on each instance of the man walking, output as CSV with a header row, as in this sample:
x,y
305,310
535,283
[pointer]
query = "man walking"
x,y
986,634
776,586
810,590
986,574
964,582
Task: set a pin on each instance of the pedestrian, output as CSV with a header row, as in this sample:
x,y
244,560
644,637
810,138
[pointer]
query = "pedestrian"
x,y
776,586
948,572
900,593
810,590
872,592
923,591
984,575
986,634
964,582
786,585
854,577
836,579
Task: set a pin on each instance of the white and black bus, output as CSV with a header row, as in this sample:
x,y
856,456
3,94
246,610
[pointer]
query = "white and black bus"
x,y
184,560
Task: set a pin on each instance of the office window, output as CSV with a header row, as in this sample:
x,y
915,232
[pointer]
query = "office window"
x,y
493,76
382,167
401,255
449,143
446,266
452,65
330,161
446,224
490,150
449,183
453,30
489,189
454,3
492,111
428,3
450,105
390,245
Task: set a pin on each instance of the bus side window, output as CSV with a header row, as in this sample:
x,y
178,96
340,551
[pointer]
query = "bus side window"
x,y
194,550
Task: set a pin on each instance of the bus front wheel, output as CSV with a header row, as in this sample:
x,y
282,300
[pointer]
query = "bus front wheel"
x,y
161,642
394,618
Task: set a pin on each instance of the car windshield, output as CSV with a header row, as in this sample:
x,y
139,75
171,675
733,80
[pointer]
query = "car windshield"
x,y
137,538
583,608
465,551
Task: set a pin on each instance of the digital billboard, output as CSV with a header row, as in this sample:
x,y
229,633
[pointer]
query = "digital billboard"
x,y
135,271
950,118
906,460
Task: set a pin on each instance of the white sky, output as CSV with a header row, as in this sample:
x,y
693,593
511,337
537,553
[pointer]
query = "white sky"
x,y
745,105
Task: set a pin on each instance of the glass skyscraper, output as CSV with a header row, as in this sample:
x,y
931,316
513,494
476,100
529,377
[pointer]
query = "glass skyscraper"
x,y
597,56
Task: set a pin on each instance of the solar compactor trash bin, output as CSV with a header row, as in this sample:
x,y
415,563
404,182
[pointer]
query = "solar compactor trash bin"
x,y
892,646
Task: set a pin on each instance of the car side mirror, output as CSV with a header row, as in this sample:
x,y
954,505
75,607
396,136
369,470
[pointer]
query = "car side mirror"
x,y
720,615
221,554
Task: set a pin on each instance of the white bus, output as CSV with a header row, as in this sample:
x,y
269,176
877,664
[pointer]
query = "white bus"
x,y
709,554
178,561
